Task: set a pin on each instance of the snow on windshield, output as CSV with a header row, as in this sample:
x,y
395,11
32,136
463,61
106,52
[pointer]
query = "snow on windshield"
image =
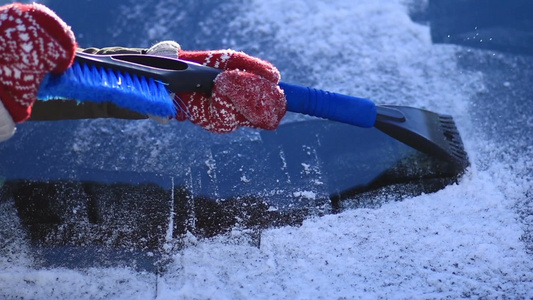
x,y
463,241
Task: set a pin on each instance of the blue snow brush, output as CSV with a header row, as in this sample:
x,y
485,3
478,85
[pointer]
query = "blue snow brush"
x,y
143,82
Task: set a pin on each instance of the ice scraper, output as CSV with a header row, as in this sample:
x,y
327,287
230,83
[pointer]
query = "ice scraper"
x,y
143,82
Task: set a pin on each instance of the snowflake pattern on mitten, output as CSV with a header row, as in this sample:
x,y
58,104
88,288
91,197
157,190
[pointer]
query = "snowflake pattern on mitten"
x,y
33,42
246,94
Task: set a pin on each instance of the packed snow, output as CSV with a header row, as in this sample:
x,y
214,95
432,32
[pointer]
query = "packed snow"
x,y
466,240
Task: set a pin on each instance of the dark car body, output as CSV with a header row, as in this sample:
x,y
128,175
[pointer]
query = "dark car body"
x,y
108,192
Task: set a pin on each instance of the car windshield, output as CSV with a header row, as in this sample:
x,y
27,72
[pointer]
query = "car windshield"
x,y
138,197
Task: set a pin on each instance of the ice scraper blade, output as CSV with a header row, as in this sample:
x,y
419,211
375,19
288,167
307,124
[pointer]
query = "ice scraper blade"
x,y
424,130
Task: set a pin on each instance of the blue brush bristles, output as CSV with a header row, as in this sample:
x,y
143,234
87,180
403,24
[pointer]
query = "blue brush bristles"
x,y
82,82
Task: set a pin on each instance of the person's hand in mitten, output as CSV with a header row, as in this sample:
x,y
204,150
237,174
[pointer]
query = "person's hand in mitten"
x,y
34,41
245,94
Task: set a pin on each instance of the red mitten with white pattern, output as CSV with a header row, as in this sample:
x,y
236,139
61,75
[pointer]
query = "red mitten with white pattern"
x,y
246,94
34,41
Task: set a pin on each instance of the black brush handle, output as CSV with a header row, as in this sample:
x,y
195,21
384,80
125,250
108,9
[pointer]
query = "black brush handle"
x,y
178,75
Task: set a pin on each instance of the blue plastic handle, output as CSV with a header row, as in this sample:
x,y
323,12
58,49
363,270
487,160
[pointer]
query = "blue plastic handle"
x,y
332,106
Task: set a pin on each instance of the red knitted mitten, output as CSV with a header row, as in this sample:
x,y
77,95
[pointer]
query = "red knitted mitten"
x,y
246,94
33,42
